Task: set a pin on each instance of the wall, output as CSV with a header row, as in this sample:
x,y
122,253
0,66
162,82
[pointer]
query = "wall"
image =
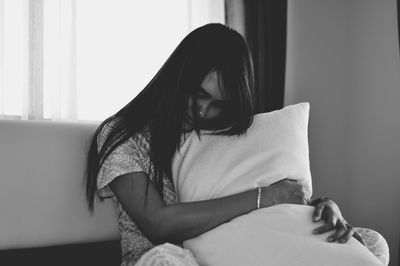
x,y
343,58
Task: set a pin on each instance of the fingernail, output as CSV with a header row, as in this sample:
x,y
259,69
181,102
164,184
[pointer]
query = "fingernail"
x,y
342,240
316,218
330,239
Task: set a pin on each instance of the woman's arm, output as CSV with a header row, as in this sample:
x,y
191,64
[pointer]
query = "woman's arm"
x,y
178,222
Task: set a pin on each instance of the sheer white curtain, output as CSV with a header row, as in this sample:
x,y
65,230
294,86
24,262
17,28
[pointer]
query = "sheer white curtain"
x,y
86,59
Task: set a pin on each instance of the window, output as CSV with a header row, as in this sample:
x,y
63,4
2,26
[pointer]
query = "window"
x,y
86,59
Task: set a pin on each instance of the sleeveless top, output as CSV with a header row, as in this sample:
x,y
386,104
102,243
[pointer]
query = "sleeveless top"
x,y
131,156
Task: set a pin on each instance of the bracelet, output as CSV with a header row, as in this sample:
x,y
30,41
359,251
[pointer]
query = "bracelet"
x,y
258,197
318,201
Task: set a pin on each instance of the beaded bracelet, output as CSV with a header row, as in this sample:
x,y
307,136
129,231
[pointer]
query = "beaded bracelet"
x,y
259,198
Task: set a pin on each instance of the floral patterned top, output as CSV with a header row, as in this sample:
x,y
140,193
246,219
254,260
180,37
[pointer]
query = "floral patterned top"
x,y
130,156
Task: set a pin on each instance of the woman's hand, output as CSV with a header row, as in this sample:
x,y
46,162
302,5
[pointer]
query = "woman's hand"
x,y
328,211
284,191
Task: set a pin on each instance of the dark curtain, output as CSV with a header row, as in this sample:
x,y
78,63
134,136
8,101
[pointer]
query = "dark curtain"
x,y
398,20
263,24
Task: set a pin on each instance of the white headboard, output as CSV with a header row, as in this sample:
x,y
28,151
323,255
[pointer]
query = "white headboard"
x,y
42,200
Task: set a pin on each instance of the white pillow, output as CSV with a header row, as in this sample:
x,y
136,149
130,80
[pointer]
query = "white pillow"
x,y
274,147
280,236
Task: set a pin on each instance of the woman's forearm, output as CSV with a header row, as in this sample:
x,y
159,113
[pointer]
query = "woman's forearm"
x,y
188,220
175,223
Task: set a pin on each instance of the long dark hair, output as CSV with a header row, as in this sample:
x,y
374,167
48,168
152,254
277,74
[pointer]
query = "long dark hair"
x,y
162,105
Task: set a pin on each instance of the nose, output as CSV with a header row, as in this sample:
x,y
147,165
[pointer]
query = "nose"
x,y
207,111
203,110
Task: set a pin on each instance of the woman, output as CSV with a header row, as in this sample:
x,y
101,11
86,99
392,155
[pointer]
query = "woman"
x,y
207,83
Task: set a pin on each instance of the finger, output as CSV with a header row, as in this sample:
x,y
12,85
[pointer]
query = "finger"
x,y
318,212
340,228
324,228
346,236
330,217
359,238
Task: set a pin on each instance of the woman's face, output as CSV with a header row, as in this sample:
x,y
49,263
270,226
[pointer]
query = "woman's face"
x,y
210,101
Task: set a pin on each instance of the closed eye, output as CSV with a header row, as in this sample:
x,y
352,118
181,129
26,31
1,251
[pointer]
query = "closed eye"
x,y
203,96
221,104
